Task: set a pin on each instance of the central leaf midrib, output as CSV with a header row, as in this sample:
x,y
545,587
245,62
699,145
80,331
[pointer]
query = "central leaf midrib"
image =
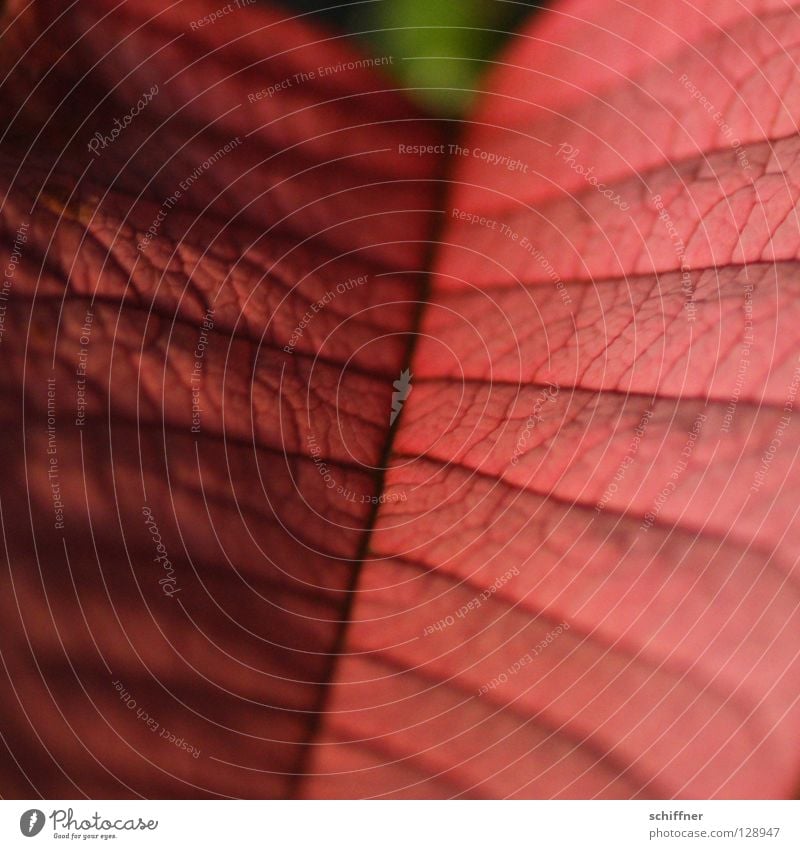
x,y
441,183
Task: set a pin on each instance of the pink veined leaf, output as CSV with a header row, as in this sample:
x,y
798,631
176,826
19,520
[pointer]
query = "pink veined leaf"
x,y
580,580
592,589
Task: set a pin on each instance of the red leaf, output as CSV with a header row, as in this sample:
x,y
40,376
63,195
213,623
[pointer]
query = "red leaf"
x,y
600,450
581,581
224,643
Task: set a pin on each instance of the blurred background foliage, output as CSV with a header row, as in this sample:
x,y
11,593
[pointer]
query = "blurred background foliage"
x,y
440,47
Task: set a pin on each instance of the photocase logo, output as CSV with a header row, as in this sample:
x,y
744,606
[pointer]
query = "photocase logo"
x,y
403,390
31,822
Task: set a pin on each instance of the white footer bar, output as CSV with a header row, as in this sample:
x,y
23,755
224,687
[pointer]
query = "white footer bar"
x,y
404,825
